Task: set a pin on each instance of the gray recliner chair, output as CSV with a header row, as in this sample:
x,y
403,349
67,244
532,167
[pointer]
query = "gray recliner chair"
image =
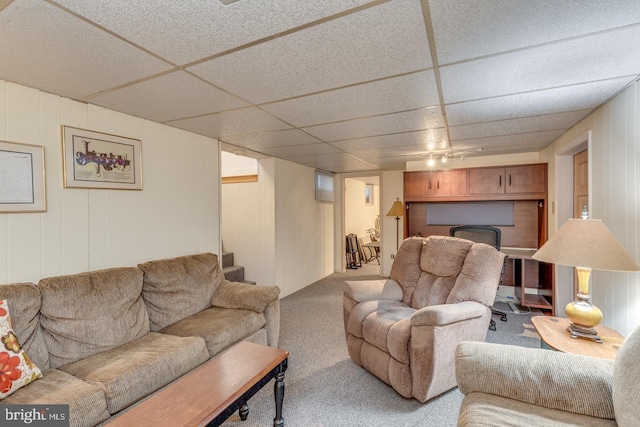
x,y
404,330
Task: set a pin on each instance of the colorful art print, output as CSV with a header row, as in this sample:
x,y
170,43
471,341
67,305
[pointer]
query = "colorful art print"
x,y
99,160
22,178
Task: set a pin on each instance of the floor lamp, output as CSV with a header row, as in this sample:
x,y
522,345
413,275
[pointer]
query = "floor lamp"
x,y
396,210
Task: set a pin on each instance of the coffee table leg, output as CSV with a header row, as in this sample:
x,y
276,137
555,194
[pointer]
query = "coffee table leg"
x,y
243,411
278,392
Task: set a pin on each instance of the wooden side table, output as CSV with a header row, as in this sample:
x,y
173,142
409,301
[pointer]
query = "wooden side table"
x,y
553,333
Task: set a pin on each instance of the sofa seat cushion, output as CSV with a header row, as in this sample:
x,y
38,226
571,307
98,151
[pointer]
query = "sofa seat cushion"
x,y
220,327
87,402
390,331
364,309
133,370
88,313
484,410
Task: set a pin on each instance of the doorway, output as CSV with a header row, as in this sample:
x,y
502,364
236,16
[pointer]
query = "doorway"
x,y
362,217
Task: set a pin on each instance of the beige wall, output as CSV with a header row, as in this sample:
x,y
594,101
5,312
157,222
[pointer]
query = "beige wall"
x,y
359,217
614,168
176,213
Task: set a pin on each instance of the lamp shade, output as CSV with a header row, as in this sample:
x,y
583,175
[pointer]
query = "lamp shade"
x,y
586,243
396,209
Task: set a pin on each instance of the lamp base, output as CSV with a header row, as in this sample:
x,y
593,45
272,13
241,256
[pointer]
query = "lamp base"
x,y
581,332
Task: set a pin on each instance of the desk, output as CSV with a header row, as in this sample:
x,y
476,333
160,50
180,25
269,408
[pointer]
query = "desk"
x,y
532,280
553,333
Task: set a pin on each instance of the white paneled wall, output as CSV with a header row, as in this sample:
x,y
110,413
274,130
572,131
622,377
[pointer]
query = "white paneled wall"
x,y
248,224
304,229
177,212
614,156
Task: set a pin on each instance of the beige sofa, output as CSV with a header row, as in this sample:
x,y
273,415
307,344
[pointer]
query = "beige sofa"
x,y
106,339
515,386
404,330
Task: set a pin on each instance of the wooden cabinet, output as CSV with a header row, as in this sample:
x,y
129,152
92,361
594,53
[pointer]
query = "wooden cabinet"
x,y
423,184
525,179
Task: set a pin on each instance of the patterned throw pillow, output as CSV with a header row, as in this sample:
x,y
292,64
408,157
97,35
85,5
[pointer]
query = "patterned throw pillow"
x,y
16,369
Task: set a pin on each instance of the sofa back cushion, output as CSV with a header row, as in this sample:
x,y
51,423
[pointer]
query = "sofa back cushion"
x,y
626,387
480,275
24,300
88,313
441,260
405,269
179,287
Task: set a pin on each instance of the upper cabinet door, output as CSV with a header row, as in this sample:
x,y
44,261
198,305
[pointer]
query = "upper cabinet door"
x,y
417,184
450,183
526,179
487,181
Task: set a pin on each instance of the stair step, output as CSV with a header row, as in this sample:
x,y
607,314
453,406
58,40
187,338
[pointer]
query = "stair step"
x,y
234,273
227,259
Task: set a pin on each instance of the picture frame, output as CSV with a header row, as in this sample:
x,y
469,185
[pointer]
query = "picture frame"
x,y
100,160
22,178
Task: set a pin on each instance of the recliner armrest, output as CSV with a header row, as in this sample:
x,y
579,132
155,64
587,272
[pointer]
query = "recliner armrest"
x,y
567,382
370,290
244,296
444,314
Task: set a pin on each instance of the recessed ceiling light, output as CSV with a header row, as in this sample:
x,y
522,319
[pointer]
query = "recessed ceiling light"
x,y
228,2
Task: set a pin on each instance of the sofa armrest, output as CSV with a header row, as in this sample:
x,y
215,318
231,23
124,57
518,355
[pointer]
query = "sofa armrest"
x,y
244,296
370,290
444,314
567,382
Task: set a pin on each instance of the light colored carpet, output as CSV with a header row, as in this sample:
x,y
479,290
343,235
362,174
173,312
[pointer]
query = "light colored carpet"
x,y
323,387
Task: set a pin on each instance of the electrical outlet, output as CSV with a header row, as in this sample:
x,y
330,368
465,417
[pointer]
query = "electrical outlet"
x,y
393,256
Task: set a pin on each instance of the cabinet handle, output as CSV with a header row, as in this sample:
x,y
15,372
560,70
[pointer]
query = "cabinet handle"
x,y
509,180
429,184
500,181
438,185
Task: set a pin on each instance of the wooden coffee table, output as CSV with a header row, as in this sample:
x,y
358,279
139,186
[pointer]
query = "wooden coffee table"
x,y
209,394
553,333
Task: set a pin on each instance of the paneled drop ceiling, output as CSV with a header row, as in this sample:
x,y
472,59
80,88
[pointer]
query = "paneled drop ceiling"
x,y
339,85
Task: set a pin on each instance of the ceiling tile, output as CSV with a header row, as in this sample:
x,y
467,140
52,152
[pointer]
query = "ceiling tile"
x,y
423,118
485,28
599,57
431,139
293,151
233,122
41,46
186,30
560,121
334,54
416,90
173,96
281,138
510,143
568,98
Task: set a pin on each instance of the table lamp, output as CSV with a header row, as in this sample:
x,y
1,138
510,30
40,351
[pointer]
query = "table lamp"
x,y
585,244
396,210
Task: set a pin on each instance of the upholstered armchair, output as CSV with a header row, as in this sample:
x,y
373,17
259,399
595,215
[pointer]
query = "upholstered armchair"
x,y
515,386
405,329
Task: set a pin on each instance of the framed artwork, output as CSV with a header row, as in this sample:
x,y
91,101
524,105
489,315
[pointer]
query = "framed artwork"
x,y
22,180
99,160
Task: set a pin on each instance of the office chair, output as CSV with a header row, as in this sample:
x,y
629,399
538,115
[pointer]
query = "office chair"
x,y
482,234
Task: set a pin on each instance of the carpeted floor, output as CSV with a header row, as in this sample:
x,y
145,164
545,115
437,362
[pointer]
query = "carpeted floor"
x,y
323,387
